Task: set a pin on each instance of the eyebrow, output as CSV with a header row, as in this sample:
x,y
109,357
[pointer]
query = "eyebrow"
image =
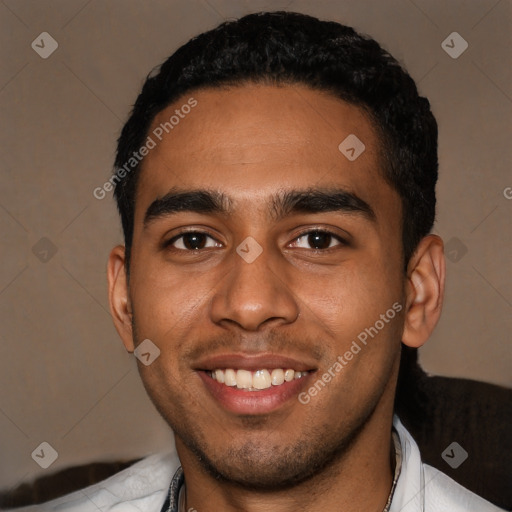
x,y
199,201
320,201
282,204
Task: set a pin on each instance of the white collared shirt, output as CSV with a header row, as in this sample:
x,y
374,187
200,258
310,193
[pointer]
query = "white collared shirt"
x,y
144,487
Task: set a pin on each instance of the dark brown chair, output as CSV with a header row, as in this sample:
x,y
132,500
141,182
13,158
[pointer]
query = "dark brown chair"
x,y
60,483
478,416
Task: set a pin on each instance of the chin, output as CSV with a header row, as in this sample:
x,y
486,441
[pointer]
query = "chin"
x,y
260,466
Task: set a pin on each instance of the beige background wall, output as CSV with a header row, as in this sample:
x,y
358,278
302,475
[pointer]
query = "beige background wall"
x,y
64,375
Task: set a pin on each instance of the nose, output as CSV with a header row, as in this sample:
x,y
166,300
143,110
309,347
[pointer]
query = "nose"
x,y
253,295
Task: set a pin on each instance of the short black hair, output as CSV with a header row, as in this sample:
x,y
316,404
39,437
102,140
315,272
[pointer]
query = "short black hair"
x,y
282,48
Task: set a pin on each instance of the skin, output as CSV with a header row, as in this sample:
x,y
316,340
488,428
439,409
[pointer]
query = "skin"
x,y
310,303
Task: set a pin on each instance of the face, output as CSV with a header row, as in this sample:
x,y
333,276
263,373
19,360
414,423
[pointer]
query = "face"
x,y
259,247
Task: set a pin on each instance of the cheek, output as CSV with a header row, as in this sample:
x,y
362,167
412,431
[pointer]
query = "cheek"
x,y
352,298
165,302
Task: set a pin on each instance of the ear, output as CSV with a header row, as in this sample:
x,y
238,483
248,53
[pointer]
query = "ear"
x,y
425,291
118,295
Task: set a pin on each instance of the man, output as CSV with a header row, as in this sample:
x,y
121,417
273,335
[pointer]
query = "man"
x,y
276,185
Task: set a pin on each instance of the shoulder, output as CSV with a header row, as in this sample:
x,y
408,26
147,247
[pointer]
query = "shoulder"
x,y
442,493
421,488
139,488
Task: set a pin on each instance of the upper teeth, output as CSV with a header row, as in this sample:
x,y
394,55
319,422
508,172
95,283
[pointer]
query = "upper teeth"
x,y
260,379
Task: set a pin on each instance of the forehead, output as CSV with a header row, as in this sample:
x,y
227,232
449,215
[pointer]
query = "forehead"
x,y
251,139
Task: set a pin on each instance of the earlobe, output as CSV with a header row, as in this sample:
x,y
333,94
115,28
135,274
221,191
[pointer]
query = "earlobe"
x,y
119,299
425,291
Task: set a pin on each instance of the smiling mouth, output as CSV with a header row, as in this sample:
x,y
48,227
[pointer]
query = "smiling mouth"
x,y
255,380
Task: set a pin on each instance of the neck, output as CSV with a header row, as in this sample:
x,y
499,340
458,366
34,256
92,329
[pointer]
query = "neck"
x,y
360,479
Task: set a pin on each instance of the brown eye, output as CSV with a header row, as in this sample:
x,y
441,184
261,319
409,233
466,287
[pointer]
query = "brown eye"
x,y
317,240
192,241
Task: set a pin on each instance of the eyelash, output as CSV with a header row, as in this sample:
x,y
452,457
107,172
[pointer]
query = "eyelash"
x,y
169,243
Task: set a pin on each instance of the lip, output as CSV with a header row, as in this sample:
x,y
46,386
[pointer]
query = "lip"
x,y
242,402
264,401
